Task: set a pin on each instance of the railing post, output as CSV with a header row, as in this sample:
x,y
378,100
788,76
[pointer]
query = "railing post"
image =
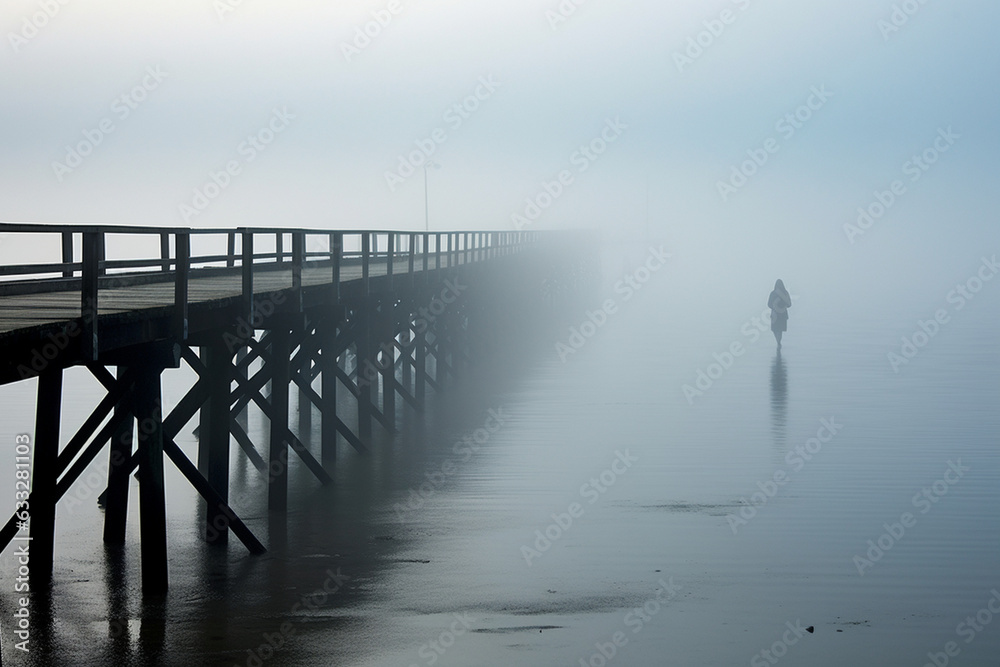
x,y
88,294
67,253
437,250
390,252
165,251
247,267
426,253
231,249
279,247
366,241
102,254
182,249
298,258
337,255
412,258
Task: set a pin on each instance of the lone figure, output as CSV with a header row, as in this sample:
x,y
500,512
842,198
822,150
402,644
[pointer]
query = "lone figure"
x,y
779,302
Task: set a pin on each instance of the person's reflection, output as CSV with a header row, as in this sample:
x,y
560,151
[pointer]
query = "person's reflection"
x,y
779,402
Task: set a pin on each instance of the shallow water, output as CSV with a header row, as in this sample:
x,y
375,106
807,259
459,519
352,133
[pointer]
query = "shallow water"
x,y
459,570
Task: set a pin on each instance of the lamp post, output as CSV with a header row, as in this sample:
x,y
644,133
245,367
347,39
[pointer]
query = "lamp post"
x,y
427,218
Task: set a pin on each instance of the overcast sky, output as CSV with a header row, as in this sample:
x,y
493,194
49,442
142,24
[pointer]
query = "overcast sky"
x,y
184,84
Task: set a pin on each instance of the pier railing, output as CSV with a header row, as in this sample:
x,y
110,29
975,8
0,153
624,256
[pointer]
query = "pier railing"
x,y
187,253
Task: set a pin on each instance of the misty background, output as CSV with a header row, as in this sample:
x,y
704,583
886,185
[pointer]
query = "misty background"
x,y
228,64
184,84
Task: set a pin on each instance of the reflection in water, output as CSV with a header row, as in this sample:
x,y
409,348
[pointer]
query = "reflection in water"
x,y
116,583
779,403
40,634
409,568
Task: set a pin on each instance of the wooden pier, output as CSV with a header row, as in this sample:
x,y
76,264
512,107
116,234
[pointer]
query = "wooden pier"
x,y
379,314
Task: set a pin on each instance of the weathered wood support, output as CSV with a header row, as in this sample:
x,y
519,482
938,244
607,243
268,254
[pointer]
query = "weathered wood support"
x,y
116,498
363,346
364,326
152,498
420,353
45,473
386,358
280,360
213,439
386,355
327,332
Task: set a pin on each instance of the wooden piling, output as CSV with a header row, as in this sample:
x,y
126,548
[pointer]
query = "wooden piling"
x,y
277,474
327,332
152,500
44,475
213,438
116,498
